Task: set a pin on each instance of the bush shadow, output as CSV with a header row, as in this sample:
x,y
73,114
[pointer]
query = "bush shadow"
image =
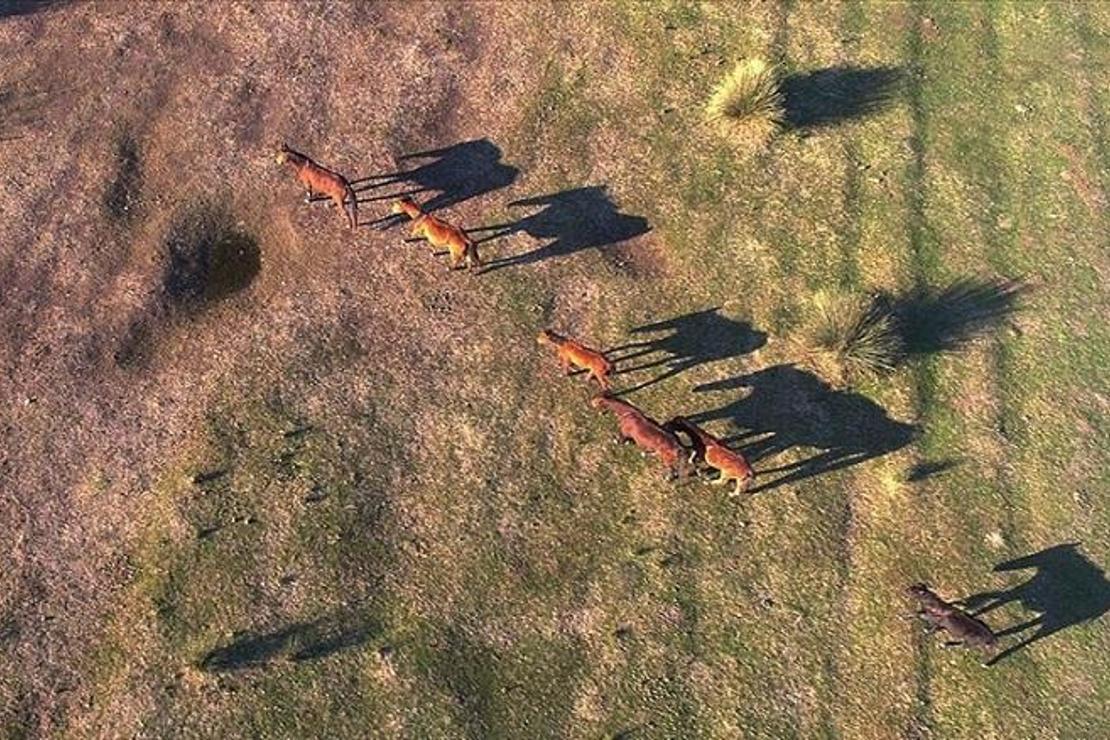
x,y
208,258
829,96
689,340
457,173
297,642
944,319
1066,589
788,408
571,220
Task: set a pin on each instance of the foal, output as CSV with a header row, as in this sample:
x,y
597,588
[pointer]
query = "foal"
x,y
319,179
708,449
572,353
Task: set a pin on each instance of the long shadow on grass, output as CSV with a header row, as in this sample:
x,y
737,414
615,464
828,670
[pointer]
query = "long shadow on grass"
x,y
787,408
571,220
944,319
297,642
1067,589
456,173
9,8
689,340
20,109
829,96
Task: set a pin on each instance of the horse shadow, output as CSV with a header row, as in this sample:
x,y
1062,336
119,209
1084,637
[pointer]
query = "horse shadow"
x,y
297,642
12,8
1067,589
687,341
456,173
787,408
829,96
571,220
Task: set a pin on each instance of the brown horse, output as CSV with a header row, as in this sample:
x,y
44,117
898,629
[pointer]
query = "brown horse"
x,y
649,436
940,615
440,234
572,353
319,179
709,450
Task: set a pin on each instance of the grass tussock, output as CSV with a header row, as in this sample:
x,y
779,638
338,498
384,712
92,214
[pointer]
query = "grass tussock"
x,y
748,104
852,337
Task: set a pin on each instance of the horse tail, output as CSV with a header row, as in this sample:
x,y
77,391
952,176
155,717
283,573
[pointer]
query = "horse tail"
x,y
472,251
606,363
350,204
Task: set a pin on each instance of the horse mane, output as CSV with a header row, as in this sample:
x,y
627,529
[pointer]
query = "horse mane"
x,y
693,430
295,157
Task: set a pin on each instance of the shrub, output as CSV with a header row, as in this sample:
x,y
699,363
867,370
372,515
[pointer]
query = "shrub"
x,y
748,104
853,336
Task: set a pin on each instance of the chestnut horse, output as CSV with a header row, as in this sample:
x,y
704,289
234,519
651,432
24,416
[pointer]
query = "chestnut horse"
x,y
708,449
440,234
572,353
319,179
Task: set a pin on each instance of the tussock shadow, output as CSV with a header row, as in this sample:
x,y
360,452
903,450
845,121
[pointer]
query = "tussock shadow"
x,y
930,468
572,220
829,96
1067,589
689,340
458,173
788,408
944,319
297,642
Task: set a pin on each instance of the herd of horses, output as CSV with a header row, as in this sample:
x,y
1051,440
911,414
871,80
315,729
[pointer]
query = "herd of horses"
x,y
685,449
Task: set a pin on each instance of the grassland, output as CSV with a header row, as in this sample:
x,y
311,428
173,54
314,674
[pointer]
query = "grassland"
x,y
261,477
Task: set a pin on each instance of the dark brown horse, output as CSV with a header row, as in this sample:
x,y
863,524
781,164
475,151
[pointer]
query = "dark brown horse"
x,y
940,615
648,434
